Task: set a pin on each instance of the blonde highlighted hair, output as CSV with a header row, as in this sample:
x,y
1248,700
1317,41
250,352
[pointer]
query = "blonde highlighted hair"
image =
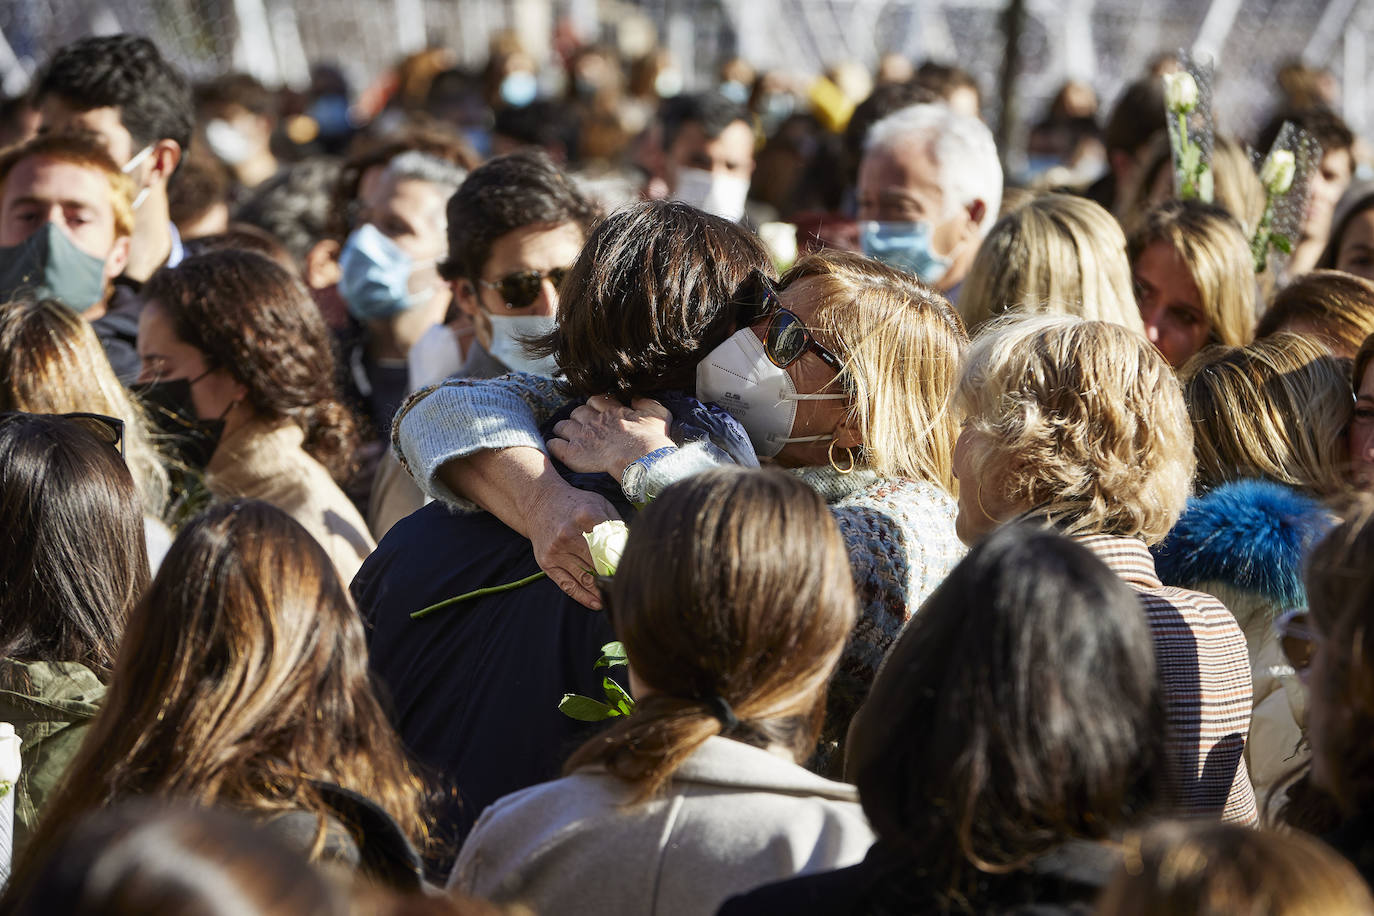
x,y
85,150
901,343
1275,410
1084,425
1056,254
1217,253
1203,867
52,362
1331,306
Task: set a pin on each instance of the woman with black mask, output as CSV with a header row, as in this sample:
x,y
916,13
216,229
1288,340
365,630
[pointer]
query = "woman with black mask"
x,y
236,363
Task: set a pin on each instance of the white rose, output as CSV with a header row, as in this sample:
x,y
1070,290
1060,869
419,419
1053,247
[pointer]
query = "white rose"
x,y
607,542
1279,169
781,241
1180,92
9,753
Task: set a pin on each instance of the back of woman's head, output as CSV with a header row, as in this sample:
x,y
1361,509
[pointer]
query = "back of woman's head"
x,y
1215,869
52,362
1059,254
734,589
242,676
143,858
1217,254
1334,308
1084,424
901,343
651,293
1340,599
1273,410
252,318
72,555
1020,708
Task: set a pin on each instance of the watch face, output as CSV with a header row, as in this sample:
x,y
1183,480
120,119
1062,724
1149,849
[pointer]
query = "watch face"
x,y
632,478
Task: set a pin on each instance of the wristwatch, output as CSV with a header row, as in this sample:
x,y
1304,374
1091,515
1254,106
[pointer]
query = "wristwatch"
x,y
632,479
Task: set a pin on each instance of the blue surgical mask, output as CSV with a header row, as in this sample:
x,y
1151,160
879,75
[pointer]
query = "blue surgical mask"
x,y
375,276
50,264
905,246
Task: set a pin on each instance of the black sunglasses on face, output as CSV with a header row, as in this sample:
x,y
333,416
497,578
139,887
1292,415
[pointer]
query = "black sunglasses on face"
x,y
519,290
107,429
787,337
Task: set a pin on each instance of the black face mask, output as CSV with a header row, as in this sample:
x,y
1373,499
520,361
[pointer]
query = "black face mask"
x,y
187,438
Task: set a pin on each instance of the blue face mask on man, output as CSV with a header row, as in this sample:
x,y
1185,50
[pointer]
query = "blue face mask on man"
x,y
907,246
375,276
50,265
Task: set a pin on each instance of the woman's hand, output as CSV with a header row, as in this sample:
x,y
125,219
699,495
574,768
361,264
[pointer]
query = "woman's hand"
x,y
604,435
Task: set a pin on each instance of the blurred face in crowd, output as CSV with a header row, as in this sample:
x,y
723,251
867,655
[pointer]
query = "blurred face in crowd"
x,y
730,155
59,117
1328,184
1170,305
1361,436
524,251
902,184
75,198
411,213
165,357
1356,254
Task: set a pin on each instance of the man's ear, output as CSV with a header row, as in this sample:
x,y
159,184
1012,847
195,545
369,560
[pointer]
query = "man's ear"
x,y
322,264
976,211
165,157
118,258
465,295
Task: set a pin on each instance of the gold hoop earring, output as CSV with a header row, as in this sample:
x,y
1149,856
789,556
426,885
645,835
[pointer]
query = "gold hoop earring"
x,y
830,453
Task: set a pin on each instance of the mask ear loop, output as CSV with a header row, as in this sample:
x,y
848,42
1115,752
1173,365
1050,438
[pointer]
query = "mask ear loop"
x,y
830,453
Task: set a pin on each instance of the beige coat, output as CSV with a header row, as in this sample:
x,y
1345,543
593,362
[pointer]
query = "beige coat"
x,y
732,818
266,460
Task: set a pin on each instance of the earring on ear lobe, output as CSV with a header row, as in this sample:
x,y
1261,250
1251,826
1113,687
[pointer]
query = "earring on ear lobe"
x,y
830,453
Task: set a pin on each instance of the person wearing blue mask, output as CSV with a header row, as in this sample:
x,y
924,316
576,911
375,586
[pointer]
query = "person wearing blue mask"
x,y
930,187
389,278
66,219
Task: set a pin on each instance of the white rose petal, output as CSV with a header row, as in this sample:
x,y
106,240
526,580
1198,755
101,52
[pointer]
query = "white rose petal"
x,y
607,542
781,241
9,753
1279,169
1180,92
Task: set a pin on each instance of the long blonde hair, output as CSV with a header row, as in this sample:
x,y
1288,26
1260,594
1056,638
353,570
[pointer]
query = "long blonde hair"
x,y
901,343
1276,410
52,362
1058,254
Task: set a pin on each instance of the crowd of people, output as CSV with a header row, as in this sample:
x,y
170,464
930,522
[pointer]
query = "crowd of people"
x,y
998,542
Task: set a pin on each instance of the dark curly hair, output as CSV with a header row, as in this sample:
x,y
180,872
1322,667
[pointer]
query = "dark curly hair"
x,y
252,318
509,192
126,72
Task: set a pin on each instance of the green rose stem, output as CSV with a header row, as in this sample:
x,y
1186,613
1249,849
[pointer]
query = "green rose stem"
x,y
479,593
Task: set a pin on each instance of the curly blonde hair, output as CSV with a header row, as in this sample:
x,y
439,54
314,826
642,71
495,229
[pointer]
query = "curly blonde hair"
x,y
1084,424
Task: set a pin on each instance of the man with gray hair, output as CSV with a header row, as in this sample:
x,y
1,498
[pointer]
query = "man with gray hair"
x,y
389,275
930,186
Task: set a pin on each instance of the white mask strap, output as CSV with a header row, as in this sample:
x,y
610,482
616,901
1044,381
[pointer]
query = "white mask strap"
x,y
816,397
133,164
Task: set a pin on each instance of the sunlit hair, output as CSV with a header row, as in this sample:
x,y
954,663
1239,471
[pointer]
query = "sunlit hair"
x,y
1273,410
1217,255
1211,867
734,585
1057,253
52,362
250,317
1340,598
87,151
1236,186
72,556
1331,306
901,343
1084,423
242,677
1020,709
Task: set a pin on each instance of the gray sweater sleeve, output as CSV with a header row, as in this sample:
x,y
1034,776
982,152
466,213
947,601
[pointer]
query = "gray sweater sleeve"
x,y
460,417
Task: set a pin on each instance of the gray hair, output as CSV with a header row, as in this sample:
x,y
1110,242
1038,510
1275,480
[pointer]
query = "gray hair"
x,y
964,150
414,165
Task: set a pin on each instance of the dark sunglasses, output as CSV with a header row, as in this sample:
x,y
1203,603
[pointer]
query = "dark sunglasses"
x,y
520,289
107,429
1297,638
787,337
